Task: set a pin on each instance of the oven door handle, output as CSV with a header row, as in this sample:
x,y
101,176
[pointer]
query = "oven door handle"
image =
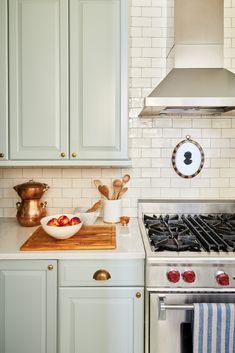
x,y
163,307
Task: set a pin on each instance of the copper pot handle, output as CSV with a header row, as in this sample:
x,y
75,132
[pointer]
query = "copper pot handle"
x,y
44,204
18,204
46,187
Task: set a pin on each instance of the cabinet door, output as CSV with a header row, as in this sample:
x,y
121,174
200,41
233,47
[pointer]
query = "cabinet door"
x,y
27,307
101,320
98,82
3,81
38,69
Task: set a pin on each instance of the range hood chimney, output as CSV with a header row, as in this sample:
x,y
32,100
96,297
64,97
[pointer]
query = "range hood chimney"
x,y
198,83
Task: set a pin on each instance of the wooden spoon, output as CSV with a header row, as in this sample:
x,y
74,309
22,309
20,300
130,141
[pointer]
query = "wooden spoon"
x,y
125,179
98,183
95,207
117,187
104,190
122,192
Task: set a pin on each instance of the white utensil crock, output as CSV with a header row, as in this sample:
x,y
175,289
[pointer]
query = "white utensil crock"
x,y
112,211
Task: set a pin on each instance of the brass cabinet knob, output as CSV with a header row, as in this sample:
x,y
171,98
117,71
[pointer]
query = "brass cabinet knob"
x,y
50,267
1,155
101,275
138,295
74,155
63,154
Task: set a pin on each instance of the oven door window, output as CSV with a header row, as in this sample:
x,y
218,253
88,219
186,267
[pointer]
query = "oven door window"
x,y
170,330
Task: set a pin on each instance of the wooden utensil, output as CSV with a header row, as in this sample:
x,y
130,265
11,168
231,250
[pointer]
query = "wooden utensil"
x,y
95,207
122,192
98,183
125,179
117,187
104,190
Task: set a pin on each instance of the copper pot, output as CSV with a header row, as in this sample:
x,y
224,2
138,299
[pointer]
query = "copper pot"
x,y
31,190
31,209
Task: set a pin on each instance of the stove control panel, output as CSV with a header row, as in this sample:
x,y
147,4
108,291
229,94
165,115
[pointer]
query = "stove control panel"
x,y
222,278
191,275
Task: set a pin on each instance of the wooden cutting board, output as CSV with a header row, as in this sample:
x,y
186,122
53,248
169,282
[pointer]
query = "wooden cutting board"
x,y
88,238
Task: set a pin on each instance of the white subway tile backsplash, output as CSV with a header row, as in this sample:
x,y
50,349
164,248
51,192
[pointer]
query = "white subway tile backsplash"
x,y
201,123
152,11
150,172
151,152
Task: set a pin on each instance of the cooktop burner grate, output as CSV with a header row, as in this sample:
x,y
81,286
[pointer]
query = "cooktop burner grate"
x,y
210,232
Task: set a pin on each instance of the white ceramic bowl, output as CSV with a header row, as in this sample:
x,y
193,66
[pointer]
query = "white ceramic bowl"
x,y
60,232
88,218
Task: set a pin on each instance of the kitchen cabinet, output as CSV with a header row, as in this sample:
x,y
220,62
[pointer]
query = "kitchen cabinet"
x,y
102,316
28,304
38,74
98,82
3,81
68,69
101,320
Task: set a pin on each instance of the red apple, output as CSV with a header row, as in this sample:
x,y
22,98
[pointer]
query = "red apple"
x,y
63,221
75,220
53,222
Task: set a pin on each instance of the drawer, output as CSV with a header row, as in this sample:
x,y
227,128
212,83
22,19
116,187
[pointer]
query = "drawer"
x,y
101,273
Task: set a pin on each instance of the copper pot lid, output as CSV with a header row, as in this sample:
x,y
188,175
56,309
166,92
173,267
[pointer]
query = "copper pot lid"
x,y
31,184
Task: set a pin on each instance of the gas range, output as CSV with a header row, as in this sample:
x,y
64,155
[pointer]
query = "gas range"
x,y
189,244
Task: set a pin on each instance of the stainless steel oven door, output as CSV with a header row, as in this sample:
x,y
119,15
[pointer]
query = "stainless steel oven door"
x,y
171,316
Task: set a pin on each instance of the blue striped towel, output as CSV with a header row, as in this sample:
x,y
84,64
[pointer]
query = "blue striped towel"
x,y
214,328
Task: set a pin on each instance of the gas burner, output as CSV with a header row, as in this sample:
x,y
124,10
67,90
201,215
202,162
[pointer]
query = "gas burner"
x,y
208,232
170,233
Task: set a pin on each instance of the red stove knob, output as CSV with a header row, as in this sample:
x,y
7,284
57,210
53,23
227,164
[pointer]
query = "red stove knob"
x,y
222,279
173,276
189,276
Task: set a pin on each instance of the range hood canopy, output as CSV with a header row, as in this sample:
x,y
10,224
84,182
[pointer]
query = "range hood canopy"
x,y
198,83
192,91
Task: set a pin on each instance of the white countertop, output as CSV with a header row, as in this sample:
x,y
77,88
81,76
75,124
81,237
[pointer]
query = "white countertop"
x,y
12,236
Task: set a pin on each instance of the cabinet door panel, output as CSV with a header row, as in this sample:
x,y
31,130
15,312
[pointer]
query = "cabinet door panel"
x,y
98,64
38,68
27,307
101,320
3,81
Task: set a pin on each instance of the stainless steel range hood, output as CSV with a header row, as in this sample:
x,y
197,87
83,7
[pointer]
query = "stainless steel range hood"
x,y
197,83
192,91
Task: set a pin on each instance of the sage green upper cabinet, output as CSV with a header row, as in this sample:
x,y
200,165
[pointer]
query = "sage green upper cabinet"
x,y
28,304
68,82
98,79
38,79
3,81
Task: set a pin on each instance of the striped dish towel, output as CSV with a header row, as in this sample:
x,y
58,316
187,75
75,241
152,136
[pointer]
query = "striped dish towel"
x,y
214,328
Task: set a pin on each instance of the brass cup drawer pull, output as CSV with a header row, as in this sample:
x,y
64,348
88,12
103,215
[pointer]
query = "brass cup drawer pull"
x,y
101,275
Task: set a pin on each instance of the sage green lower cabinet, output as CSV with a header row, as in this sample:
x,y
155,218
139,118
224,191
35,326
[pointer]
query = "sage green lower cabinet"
x,y
101,320
28,305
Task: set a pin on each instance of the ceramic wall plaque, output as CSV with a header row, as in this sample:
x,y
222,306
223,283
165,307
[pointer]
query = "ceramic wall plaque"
x,y
188,158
